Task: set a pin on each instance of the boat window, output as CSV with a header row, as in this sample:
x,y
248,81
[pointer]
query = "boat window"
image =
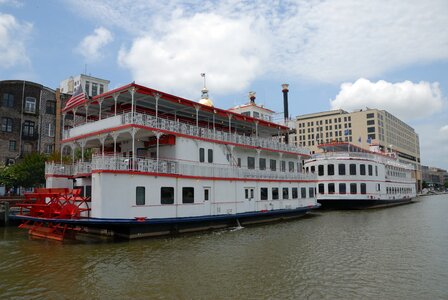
x,y
264,193
262,163
303,192
140,195
294,193
285,193
353,189
320,170
362,169
238,162
291,166
370,170
342,188
250,162
363,188
210,155
341,169
273,164
201,155
283,166
313,169
206,194
321,188
187,195
376,170
166,195
311,192
352,169
331,188
330,169
378,187
274,193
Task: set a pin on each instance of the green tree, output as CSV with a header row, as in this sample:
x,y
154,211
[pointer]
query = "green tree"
x,y
28,172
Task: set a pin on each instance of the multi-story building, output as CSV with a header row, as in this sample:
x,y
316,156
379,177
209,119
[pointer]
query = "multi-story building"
x,y
91,86
434,177
28,113
362,128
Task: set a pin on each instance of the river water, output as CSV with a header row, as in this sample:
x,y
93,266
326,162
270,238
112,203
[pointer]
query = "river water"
x,y
393,253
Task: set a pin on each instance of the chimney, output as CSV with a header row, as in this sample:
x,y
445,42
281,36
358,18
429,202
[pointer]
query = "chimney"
x,y
252,97
285,91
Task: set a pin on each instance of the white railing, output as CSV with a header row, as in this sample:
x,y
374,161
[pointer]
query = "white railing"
x,y
58,169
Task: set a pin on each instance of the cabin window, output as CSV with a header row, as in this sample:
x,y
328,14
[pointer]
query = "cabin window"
x,y
295,193
331,188
167,195
273,164
201,155
311,192
352,169
378,187
321,188
330,169
353,189
342,188
320,170
140,195
362,169
363,188
262,163
291,166
341,168
376,170
264,193
303,192
285,193
187,195
206,194
313,169
238,162
210,155
274,193
370,167
250,162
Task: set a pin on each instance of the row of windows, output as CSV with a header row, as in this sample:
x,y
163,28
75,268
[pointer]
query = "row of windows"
x,y
48,148
202,155
342,188
262,164
28,127
321,129
398,190
30,104
275,193
352,168
166,195
327,121
321,141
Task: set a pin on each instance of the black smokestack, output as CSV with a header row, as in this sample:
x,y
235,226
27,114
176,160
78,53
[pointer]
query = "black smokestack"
x,y
285,91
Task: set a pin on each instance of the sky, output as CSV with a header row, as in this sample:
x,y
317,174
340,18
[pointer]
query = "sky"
x,y
348,54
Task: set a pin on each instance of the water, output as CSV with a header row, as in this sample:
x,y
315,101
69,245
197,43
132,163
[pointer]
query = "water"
x,y
393,253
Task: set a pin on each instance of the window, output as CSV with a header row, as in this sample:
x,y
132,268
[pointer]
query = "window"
x,y
262,163
256,115
370,116
50,107
342,188
341,168
206,194
6,124
291,166
311,192
362,169
363,188
12,145
94,89
370,129
249,193
370,122
285,193
331,188
320,170
370,170
8,100
372,136
376,170
28,128
264,193
250,162
166,195
321,188
101,88
30,105
274,193
352,169
238,162
378,187
273,164
282,166
330,169
313,169
140,195
353,188
27,148
87,88
210,155
303,192
294,193
50,130
187,195
201,155
48,148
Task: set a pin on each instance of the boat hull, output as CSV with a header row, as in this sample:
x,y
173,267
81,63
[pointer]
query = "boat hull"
x,y
361,204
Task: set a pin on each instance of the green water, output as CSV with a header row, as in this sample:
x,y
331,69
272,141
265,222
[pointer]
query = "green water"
x,y
394,253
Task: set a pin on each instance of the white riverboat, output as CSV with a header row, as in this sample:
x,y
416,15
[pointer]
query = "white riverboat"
x,y
350,177
163,164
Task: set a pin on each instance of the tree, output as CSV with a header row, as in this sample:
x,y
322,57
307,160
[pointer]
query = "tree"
x,y
28,172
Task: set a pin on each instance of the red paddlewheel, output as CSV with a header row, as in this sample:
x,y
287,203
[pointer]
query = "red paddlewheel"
x,y
54,209
70,211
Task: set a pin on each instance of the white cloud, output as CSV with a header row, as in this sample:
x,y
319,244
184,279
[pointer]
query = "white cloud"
x,y
444,131
92,45
406,100
14,3
230,51
13,37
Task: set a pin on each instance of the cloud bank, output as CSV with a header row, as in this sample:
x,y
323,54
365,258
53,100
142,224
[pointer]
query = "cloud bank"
x,y
13,37
406,100
92,45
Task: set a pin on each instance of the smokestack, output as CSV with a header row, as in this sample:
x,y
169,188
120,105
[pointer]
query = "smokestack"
x,y
252,97
285,91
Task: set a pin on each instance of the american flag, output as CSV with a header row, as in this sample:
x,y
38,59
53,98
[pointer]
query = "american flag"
x,y
77,98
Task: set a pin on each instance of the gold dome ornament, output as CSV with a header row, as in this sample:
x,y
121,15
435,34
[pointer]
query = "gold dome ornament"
x,y
205,100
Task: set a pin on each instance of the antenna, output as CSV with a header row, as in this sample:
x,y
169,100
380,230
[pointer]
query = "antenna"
x,y
203,75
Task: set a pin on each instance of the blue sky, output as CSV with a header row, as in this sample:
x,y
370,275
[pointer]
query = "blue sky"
x,y
346,54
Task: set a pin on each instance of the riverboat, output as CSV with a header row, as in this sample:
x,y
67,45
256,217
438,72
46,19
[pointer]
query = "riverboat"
x,y
350,177
162,164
